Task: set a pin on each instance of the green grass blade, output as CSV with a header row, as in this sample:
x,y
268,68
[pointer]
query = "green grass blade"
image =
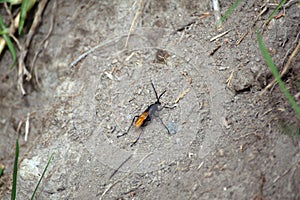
x,y
228,12
41,177
275,73
1,171
25,7
11,49
275,11
14,186
23,12
4,33
12,2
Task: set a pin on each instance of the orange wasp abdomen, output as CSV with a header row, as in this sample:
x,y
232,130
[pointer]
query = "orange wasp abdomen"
x,y
141,119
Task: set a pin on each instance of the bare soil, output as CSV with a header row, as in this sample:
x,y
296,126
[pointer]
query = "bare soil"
x,y
227,140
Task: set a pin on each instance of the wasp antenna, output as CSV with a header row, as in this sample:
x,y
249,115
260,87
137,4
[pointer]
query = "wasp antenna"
x,y
161,94
155,91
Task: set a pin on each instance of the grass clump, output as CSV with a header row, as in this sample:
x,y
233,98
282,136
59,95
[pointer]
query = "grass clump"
x,y
6,34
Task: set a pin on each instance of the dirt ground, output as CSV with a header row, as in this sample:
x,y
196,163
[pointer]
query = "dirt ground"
x,y
227,140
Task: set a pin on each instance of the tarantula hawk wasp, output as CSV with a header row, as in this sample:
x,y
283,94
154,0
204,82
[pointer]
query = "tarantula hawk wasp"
x,y
143,119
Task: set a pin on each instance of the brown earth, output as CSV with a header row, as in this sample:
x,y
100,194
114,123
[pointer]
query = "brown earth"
x,y
227,140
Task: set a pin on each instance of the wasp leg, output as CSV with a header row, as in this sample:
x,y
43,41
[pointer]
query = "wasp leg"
x,y
168,107
137,139
129,127
164,125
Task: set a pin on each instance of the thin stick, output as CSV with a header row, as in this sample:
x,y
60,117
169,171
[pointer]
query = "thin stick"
x,y
43,45
220,35
108,188
133,22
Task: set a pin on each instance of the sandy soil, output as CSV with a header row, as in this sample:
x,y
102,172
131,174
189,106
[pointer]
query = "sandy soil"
x,y
226,141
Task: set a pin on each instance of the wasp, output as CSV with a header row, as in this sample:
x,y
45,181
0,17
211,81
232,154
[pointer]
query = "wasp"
x,y
143,119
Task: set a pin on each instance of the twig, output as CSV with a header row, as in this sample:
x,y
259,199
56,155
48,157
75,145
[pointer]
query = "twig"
x,y
11,18
85,54
228,81
283,174
133,22
242,38
36,21
215,50
43,45
289,3
108,188
218,36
